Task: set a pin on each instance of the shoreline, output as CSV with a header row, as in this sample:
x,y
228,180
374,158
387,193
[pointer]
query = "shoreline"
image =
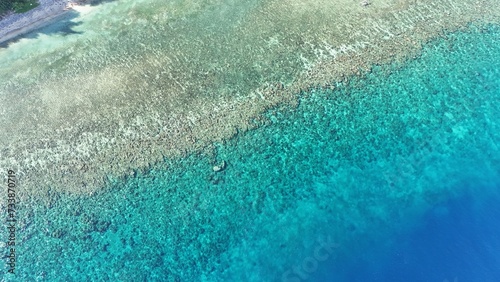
x,y
16,25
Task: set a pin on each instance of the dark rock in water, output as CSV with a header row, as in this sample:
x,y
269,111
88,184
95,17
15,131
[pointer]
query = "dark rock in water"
x,y
221,167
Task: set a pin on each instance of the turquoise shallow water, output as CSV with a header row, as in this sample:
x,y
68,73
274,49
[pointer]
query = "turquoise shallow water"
x,y
333,190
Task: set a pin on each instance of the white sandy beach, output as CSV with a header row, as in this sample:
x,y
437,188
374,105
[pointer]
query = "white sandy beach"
x,y
18,24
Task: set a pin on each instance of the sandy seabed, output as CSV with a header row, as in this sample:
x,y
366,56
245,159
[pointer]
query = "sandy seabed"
x,y
149,80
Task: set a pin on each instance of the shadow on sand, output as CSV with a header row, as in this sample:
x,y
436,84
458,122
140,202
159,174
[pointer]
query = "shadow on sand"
x,y
62,25
59,25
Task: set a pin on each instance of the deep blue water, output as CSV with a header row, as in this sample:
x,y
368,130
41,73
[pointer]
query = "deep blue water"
x,y
390,177
456,240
